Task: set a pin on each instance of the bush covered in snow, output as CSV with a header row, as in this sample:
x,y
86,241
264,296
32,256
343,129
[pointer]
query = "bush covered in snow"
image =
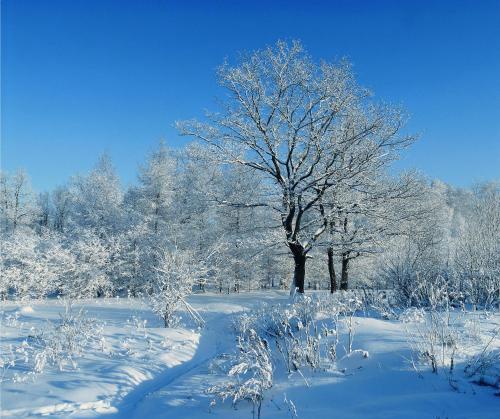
x,y
250,372
173,281
306,333
442,336
59,344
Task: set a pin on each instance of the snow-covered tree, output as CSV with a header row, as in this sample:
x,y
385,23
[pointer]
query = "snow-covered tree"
x,y
417,256
176,273
154,194
305,128
133,271
17,201
362,216
33,265
477,257
148,221
61,206
243,228
91,274
43,216
193,224
97,199
251,373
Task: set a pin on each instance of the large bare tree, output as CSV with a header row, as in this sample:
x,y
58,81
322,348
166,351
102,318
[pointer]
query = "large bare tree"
x,y
306,127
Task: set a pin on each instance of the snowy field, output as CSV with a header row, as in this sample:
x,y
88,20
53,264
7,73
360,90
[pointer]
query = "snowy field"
x,y
135,368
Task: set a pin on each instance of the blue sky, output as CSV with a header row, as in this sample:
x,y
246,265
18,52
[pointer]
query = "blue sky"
x,y
83,77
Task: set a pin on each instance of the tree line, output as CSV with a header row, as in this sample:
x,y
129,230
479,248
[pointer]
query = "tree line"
x,y
287,185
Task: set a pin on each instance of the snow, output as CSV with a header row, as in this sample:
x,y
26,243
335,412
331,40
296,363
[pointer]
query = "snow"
x,y
149,371
101,377
26,310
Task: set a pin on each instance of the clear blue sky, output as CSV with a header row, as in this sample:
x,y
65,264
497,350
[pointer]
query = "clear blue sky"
x,y
83,77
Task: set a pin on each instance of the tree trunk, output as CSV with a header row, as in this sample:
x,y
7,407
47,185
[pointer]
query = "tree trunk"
x,y
299,274
331,271
345,272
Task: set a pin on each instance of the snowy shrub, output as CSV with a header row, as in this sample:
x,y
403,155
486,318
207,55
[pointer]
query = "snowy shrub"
x,y
379,302
61,343
306,309
272,320
139,341
340,308
348,304
484,368
176,272
306,333
251,373
31,264
291,407
12,356
435,337
412,315
441,334
138,325
281,319
12,319
289,326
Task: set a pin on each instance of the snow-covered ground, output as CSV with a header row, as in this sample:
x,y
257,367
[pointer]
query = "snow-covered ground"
x,y
143,370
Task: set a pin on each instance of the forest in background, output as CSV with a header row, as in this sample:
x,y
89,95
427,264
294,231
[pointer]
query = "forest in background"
x,y
287,186
91,238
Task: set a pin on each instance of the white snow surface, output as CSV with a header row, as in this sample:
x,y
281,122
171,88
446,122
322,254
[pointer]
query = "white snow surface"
x,y
150,372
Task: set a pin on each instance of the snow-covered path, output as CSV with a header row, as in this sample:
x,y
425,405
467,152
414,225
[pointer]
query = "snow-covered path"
x,y
137,349
183,385
215,339
117,383
163,390
169,381
382,386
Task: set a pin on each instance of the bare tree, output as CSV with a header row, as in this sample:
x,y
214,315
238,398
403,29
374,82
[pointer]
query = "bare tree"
x,y
17,203
477,259
364,215
44,210
306,127
416,257
61,206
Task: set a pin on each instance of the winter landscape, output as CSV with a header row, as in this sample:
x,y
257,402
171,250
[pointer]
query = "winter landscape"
x,y
280,256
